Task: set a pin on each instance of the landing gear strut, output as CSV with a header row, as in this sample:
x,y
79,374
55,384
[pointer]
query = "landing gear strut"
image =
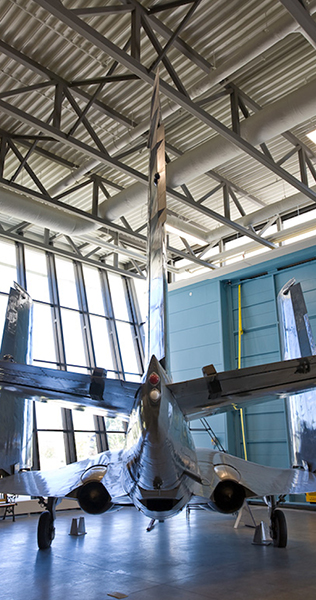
x,y
278,527
45,528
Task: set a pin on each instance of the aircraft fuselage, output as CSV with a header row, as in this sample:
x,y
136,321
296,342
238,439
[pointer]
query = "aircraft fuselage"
x,y
160,463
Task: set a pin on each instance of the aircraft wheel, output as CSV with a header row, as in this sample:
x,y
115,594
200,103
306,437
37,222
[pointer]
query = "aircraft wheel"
x,y
45,530
279,529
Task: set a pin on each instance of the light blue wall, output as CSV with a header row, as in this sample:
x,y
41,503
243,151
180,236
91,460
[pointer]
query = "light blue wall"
x,y
204,330
196,340
195,329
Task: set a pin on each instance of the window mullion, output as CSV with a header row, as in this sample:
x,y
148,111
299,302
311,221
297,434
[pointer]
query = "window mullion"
x,y
69,436
134,315
102,439
66,413
114,340
55,304
84,316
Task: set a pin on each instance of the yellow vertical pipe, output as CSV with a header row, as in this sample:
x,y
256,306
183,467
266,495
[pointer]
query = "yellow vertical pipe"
x,y
240,333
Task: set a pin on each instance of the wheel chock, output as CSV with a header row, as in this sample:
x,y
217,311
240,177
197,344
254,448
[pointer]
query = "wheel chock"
x,y
262,535
78,526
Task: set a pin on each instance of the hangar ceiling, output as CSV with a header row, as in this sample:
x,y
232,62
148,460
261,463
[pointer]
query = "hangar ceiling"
x,y
237,90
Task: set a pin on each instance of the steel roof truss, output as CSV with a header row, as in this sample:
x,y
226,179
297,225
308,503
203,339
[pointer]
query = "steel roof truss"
x,y
55,79
157,46
175,34
297,10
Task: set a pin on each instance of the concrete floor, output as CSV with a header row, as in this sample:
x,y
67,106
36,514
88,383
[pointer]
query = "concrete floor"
x,y
178,560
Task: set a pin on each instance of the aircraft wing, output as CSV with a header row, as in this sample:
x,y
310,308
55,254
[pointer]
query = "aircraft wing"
x,y
221,391
96,391
66,480
257,480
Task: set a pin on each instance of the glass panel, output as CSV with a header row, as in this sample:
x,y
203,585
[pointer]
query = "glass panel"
x,y
298,238
239,241
83,420
48,415
8,272
112,375
118,297
86,445
36,274
43,334
101,342
51,449
141,288
302,218
126,339
93,290
116,424
116,441
66,283
74,369
74,347
132,377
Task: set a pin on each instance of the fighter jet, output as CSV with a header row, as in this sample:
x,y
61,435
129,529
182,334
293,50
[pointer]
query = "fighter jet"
x,y
159,469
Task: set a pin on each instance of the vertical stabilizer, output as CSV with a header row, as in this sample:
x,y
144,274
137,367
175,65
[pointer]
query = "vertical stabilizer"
x,y
157,253
297,341
16,413
17,332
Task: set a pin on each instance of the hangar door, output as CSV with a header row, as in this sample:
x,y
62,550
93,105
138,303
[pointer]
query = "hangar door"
x,y
264,425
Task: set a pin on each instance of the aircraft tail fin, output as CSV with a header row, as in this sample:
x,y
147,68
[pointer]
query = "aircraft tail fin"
x,y
16,423
296,333
157,253
297,341
17,332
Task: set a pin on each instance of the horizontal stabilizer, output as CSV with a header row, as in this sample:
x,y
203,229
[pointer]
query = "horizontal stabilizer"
x,y
66,480
258,480
217,393
36,383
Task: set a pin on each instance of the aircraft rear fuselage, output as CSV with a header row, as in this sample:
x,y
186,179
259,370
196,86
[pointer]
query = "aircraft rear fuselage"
x,y
160,459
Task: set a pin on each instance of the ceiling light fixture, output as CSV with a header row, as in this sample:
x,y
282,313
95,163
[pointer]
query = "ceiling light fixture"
x,y
312,136
187,236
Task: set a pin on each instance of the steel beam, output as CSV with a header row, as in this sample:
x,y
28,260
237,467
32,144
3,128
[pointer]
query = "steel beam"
x,y
104,224
298,11
135,33
191,257
168,5
60,136
220,218
175,34
157,46
182,46
55,79
59,11
61,252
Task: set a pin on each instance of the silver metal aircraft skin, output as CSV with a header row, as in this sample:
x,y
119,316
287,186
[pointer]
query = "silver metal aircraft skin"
x,y
16,423
159,469
297,340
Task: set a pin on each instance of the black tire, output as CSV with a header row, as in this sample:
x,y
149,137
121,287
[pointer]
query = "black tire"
x,y
45,530
279,529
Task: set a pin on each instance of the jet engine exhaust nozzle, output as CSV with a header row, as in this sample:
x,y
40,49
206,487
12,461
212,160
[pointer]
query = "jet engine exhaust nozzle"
x,y
228,496
94,498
